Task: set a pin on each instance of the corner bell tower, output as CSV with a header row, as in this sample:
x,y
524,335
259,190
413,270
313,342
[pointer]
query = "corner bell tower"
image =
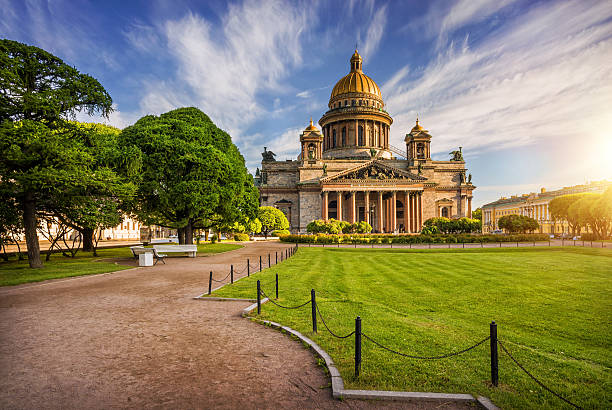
x,y
417,144
311,141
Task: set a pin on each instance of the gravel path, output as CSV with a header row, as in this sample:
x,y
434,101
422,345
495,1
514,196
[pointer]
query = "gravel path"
x,y
137,338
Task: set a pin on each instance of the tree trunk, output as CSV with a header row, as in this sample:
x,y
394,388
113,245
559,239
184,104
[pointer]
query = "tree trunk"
x,y
87,234
30,223
189,233
180,232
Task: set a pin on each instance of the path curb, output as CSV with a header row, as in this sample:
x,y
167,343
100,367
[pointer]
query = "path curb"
x,y
217,299
338,391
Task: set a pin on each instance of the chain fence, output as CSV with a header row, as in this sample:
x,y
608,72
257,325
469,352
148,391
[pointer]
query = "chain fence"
x,y
358,334
520,366
327,327
444,356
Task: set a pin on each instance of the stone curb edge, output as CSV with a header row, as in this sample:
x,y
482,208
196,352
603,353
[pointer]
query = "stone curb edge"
x,y
338,391
217,299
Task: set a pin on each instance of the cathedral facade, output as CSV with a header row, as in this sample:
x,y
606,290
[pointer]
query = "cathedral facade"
x,y
347,170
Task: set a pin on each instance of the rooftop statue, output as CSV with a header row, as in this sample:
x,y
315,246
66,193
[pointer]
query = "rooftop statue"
x,y
456,155
268,155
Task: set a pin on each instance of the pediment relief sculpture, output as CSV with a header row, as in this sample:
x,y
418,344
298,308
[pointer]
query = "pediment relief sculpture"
x,y
375,172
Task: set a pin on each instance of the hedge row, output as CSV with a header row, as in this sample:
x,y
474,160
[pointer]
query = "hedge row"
x,y
405,238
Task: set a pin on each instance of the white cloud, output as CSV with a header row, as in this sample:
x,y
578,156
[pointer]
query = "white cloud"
x,y
222,67
375,32
528,82
462,13
285,146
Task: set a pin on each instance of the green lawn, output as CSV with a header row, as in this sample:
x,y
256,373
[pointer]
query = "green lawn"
x,y
16,272
553,307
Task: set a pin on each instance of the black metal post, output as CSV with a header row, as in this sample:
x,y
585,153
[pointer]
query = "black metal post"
x,y
313,305
494,358
286,253
248,267
260,263
517,244
210,283
463,245
500,244
232,274
357,346
276,254
277,286
268,260
258,297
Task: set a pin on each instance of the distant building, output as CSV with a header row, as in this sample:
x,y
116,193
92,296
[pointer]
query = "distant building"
x,y
535,205
348,170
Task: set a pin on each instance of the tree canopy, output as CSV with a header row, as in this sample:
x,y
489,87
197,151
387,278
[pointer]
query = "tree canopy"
x,y
36,85
271,219
42,155
517,223
192,175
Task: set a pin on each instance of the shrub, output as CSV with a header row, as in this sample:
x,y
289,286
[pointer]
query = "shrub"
x,y
214,238
243,237
280,232
415,239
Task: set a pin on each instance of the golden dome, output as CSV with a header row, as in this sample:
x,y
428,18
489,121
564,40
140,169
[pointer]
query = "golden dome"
x,y
311,127
356,81
417,127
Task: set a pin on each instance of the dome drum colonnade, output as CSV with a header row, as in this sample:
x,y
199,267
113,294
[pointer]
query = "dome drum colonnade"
x,y
356,118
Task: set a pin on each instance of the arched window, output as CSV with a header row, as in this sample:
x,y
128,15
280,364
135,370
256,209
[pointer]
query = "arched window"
x,y
360,136
445,212
333,138
353,102
343,136
345,103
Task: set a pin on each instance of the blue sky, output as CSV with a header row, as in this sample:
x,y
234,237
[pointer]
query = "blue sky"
x,y
525,87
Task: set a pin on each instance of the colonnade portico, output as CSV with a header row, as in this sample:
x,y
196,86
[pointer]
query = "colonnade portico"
x,y
386,210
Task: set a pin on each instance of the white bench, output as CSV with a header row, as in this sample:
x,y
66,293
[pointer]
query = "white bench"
x,y
162,250
139,250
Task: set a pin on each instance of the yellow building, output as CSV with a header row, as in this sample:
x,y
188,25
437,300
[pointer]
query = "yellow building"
x,y
535,205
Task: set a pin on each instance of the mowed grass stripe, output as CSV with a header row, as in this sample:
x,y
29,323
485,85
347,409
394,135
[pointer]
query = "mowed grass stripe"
x,y
553,307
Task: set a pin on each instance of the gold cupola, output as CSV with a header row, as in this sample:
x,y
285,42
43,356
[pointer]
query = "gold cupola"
x,y
356,82
356,126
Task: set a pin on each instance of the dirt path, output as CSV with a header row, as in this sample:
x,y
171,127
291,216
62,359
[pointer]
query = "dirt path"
x,y
137,338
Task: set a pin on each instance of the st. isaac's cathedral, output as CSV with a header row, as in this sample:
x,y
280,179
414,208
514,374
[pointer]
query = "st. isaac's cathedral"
x,y
348,171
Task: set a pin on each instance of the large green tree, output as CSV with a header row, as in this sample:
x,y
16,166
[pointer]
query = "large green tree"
x,y
92,208
517,223
272,219
559,210
193,176
38,91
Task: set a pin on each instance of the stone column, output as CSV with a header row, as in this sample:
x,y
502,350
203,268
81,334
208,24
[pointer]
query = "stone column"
x,y
353,210
420,205
394,212
324,205
366,198
407,212
380,211
469,215
339,204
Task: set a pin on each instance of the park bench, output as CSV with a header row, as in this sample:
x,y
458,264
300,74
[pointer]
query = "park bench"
x,y
165,249
139,249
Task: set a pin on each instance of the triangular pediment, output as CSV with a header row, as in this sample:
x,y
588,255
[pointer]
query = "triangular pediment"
x,y
374,170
